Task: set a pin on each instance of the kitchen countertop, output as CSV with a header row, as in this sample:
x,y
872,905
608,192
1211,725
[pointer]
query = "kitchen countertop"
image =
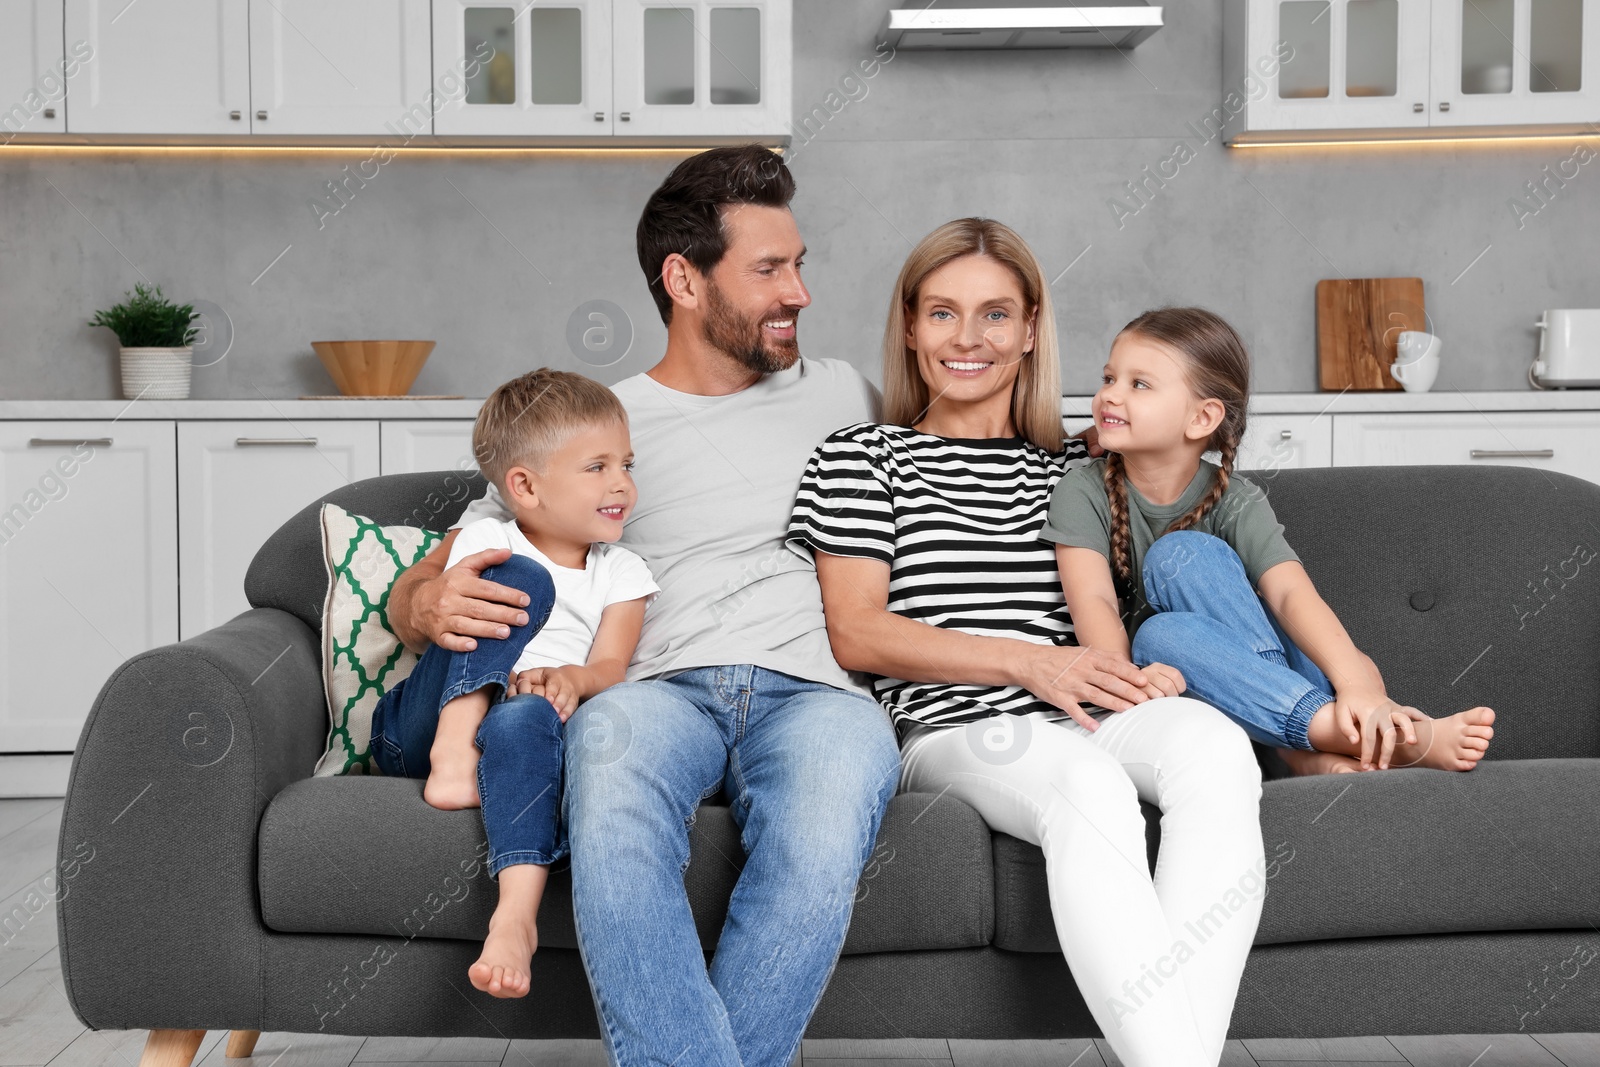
x,y
289,408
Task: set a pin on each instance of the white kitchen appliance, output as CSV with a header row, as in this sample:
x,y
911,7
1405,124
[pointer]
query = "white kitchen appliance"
x,y
1569,350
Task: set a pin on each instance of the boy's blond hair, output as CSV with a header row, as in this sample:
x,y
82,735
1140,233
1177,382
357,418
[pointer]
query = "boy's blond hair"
x,y
524,421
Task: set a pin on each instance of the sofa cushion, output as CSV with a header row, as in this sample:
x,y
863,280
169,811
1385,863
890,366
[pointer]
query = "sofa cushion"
x,y
1512,845
366,855
1465,584
362,659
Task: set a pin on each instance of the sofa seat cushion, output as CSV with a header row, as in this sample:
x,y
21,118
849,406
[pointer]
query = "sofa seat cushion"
x,y
1512,845
366,855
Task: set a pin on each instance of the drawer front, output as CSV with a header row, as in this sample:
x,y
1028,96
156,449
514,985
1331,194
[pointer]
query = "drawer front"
x,y
1271,442
1564,441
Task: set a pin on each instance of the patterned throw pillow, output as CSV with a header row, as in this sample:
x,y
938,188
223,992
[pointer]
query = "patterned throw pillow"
x,y
361,657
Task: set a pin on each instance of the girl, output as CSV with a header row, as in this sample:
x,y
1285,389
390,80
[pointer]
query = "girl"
x,y
1161,548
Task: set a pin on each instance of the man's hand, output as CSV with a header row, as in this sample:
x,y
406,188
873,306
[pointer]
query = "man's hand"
x,y
1065,675
1378,722
459,605
1091,438
561,686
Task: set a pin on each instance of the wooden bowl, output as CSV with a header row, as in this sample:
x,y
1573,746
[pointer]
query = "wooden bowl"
x,y
373,368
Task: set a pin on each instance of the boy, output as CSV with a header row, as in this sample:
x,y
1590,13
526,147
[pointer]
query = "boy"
x,y
556,446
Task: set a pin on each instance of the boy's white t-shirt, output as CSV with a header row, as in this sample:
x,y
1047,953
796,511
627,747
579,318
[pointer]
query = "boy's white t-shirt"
x,y
611,575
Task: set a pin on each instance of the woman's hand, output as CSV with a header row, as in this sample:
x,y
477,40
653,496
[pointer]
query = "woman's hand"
x,y
1065,675
561,686
1091,439
1377,722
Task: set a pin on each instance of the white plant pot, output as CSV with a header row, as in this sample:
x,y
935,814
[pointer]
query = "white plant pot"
x,y
156,373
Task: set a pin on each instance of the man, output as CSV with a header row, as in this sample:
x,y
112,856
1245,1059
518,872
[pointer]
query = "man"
x,y
734,685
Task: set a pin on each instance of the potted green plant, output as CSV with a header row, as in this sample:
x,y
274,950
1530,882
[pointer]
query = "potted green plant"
x,y
157,339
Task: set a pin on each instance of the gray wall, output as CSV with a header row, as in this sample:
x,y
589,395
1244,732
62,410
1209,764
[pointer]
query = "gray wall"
x,y
490,256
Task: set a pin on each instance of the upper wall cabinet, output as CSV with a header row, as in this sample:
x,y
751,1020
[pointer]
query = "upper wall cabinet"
x,y
33,67
1515,61
525,69
174,67
248,66
328,68
1406,67
696,67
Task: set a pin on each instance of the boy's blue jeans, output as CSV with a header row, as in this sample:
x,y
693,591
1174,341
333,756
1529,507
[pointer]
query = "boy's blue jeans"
x,y
1217,631
519,771
808,770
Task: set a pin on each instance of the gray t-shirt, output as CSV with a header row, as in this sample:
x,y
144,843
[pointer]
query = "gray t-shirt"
x,y
717,477
1080,516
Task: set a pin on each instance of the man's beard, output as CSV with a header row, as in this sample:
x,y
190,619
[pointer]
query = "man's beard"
x,y
743,340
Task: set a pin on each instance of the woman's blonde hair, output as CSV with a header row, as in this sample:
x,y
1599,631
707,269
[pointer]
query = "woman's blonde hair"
x,y
1216,364
1036,398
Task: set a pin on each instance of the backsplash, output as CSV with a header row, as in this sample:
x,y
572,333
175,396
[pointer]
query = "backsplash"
x,y
1105,162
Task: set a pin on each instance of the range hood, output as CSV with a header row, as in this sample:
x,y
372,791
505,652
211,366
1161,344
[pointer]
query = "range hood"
x,y
972,25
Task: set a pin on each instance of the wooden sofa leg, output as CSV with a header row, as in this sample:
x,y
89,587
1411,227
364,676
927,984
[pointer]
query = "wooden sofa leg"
x,y
241,1043
171,1048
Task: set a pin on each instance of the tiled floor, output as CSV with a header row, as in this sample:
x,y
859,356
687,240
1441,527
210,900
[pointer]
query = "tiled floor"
x,y
37,1028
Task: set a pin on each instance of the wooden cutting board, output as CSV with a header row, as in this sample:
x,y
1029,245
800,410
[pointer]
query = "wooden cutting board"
x,y
1358,322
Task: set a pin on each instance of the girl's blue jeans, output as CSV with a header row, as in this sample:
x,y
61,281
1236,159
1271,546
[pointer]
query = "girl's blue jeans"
x,y
1217,631
519,771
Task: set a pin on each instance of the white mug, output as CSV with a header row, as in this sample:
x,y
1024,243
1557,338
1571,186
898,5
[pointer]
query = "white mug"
x,y
1416,361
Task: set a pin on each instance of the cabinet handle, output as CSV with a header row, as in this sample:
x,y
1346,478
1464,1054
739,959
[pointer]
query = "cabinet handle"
x,y
1286,434
624,116
1419,107
599,116
1513,453
262,115
70,441
49,112
274,440
1444,105
235,116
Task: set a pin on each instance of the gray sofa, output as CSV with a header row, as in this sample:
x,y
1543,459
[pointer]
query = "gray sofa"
x,y
230,889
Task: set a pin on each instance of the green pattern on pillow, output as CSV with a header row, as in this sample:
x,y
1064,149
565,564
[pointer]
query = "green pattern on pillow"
x,y
361,657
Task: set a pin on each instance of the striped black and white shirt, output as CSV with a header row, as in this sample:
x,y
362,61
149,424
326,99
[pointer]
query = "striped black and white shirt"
x,y
957,520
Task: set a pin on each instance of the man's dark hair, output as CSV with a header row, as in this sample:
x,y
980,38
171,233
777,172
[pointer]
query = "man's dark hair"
x,y
684,214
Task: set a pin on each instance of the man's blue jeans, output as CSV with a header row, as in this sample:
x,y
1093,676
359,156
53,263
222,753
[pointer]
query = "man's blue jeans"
x,y
1215,628
519,771
808,770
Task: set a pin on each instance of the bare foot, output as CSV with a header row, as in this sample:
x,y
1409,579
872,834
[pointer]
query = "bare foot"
x,y
1454,743
453,778
503,969
1302,761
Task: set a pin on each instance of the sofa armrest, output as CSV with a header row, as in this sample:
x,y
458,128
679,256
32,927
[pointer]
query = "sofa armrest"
x,y
158,914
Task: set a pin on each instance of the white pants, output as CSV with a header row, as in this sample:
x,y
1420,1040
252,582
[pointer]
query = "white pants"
x,y
1158,960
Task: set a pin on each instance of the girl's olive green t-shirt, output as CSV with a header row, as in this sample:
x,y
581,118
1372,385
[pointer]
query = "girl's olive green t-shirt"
x,y
1080,516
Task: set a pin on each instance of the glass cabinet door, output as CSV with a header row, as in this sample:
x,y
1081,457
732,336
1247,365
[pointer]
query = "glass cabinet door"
x,y
1341,64
1514,61
516,68
702,67
31,59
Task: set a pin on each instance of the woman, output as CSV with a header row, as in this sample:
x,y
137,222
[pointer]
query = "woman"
x,y
925,531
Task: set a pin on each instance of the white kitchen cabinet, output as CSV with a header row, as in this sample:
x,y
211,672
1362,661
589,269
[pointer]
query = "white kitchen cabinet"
x,y
697,68
34,67
427,445
1544,440
330,68
241,481
1432,67
1328,64
1504,62
527,69
1274,442
88,567
170,67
